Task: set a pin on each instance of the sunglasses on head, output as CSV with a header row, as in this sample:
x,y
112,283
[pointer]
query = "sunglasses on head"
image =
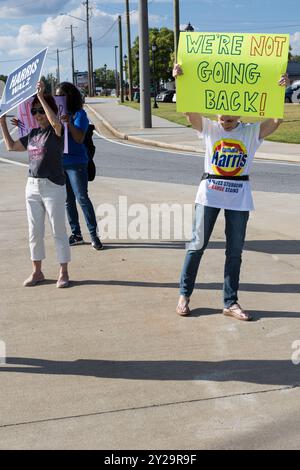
x,y
37,110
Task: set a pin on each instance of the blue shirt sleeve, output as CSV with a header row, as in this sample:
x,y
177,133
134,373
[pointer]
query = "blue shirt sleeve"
x,y
81,120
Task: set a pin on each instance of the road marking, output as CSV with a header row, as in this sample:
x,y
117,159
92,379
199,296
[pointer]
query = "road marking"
x,y
147,147
173,152
271,162
189,154
12,132
6,160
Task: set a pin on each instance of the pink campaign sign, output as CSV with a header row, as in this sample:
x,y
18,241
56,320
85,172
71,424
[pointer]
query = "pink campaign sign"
x,y
28,122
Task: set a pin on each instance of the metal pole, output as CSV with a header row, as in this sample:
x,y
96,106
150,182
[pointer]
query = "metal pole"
x,y
138,77
116,72
92,68
138,81
145,96
57,73
72,52
176,27
155,105
129,51
121,60
126,76
104,83
88,48
72,46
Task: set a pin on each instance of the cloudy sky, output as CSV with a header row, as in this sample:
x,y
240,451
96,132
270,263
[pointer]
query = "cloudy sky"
x,y
26,27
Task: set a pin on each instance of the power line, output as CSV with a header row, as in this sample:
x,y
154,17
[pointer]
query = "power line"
x,y
16,60
109,29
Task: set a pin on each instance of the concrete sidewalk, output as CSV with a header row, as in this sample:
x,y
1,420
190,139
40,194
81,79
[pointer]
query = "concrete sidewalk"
x,y
107,364
124,123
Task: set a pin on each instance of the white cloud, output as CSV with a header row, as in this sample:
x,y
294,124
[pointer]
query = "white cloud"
x,y
295,43
52,33
154,20
9,9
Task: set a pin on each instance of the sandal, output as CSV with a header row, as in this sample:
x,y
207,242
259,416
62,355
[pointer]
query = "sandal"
x,y
237,312
63,281
183,309
34,279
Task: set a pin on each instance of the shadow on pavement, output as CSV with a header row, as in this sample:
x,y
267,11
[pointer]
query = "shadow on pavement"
x,y
246,287
267,372
255,314
275,247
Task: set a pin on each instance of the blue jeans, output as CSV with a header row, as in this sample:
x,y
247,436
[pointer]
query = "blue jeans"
x,y
235,231
77,190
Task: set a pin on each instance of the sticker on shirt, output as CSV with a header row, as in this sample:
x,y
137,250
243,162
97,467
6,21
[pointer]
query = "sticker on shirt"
x,y
229,158
36,148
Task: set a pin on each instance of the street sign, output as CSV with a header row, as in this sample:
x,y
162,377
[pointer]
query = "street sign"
x,y
21,83
81,79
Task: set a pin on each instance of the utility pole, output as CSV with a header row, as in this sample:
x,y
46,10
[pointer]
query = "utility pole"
x,y
121,59
154,48
86,3
145,96
52,81
92,68
129,51
57,70
116,72
176,27
72,50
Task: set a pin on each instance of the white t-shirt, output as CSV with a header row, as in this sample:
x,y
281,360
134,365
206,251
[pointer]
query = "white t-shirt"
x,y
231,154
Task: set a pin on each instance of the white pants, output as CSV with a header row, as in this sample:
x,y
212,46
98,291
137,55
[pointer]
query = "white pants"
x,y
43,196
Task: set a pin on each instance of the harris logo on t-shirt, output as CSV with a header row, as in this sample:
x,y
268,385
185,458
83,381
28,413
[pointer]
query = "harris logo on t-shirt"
x,y
229,157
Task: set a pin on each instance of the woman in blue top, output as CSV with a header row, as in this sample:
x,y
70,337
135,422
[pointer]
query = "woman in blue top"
x,y
75,165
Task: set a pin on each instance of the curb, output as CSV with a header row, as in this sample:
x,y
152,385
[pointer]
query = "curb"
x,y
139,140
183,148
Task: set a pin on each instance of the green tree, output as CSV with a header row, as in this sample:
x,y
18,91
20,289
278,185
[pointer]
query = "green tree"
x,y
294,58
105,78
164,54
50,82
3,78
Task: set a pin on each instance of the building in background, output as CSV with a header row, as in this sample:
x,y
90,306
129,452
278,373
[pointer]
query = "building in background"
x,y
81,80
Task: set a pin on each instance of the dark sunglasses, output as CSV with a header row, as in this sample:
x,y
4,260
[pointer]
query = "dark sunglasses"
x,y
37,110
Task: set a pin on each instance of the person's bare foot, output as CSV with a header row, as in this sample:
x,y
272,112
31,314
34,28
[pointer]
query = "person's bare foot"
x,y
63,280
34,279
183,306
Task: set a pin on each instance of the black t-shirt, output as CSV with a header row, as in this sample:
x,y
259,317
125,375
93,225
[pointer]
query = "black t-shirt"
x,y
45,152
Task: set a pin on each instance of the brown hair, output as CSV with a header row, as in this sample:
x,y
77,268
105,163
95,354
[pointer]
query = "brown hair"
x,y
49,100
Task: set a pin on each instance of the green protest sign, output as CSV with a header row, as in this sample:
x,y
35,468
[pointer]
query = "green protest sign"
x,y
231,73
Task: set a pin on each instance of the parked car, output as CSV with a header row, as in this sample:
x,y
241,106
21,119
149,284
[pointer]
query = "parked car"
x,y
292,93
165,96
174,98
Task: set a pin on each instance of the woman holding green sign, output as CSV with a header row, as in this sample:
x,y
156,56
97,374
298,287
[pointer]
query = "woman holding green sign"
x,y
230,149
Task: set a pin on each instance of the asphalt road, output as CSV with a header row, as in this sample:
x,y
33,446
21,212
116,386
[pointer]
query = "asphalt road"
x,y
124,160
